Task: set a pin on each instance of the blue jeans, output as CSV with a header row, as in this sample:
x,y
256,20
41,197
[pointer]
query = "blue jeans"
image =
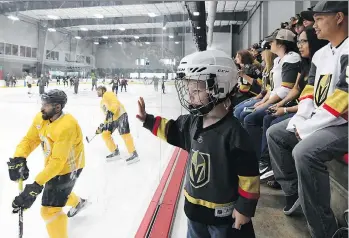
x,y
268,121
199,230
253,123
239,109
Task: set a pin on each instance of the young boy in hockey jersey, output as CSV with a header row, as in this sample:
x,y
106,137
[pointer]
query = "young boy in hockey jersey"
x,y
61,139
300,146
116,118
222,184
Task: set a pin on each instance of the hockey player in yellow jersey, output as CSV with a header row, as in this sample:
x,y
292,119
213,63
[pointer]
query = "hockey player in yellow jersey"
x,y
61,139
116,117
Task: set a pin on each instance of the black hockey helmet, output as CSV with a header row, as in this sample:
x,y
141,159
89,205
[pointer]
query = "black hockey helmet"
x,y
102,88
55,96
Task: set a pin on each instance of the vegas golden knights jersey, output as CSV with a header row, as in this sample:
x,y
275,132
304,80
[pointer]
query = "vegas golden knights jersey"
x,y
61,142
222,172
324,100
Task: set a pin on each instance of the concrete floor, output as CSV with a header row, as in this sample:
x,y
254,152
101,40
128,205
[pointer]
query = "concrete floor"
x,y
270,221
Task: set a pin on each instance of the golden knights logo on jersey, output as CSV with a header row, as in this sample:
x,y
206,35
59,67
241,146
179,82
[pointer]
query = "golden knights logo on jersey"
x,y
322,89
199,169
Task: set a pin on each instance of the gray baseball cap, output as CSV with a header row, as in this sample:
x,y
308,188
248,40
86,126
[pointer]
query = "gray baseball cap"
x,y
282,34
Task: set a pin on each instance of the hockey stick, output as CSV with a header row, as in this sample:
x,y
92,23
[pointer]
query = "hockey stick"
x,y
20,213
90,139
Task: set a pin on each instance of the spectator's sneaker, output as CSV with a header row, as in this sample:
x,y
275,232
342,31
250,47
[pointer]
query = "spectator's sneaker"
x,y
292,203
273,184
265,170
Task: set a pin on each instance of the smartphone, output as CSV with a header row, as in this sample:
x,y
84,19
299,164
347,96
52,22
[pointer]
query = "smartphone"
x,y
248,109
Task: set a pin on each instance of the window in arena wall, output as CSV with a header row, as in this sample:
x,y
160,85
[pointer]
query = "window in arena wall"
x,y
15,50
28,52
67,57
22,51
56,55
34,51
2,48
8,49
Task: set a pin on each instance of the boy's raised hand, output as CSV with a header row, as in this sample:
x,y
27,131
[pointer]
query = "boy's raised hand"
x,y
141,110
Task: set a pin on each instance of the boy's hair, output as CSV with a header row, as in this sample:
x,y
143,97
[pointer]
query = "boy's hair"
x,y
246,57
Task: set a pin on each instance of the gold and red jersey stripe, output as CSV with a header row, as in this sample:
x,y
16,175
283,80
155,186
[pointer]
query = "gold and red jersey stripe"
x,y
159,128
249,186
337,103
308,92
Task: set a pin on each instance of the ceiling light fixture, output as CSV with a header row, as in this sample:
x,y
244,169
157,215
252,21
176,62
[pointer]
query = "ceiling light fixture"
x,y
53,17
96,43
198,27
78,37
120,43
171,36
122,29
13,18
152,14
147,43
51,29
100,16
105,37
83,29
136,37
196,13
177,42
164,28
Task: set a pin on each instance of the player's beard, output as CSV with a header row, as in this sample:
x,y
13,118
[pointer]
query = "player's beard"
x,y
48,115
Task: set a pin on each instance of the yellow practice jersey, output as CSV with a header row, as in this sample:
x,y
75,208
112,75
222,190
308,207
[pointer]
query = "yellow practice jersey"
x,y
112,104
62,144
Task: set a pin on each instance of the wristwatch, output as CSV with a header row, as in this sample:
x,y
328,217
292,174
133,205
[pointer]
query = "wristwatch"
x,y
285,110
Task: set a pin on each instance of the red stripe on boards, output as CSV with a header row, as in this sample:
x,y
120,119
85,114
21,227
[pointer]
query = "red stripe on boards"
x,y
164,219
149,214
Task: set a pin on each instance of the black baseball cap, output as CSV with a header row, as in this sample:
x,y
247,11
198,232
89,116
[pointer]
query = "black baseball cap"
x,y
265,45
325,7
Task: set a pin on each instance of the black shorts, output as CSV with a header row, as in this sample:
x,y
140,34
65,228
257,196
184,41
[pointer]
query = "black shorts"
x,y
57,190
29,85
121,124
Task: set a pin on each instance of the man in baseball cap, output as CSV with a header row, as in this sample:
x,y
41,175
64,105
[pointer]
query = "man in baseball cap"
x,y
321,122
326,7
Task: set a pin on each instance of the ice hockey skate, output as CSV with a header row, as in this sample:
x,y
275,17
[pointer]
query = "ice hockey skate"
x,y
113,156
133,158
81,206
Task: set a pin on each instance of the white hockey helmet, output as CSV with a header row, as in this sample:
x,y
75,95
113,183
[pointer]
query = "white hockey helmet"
x,y
214,67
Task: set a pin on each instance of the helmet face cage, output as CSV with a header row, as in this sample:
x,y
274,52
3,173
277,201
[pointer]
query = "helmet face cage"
x,y
188,87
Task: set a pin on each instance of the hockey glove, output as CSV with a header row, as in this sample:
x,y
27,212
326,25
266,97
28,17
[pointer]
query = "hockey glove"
x,y
17,168
26,199
100,129
109,117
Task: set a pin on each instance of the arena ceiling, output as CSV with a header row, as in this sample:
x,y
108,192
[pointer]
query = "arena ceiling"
x,y
124,19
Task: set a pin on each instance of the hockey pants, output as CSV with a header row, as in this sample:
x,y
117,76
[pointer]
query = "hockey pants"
x,y
124,130
57,194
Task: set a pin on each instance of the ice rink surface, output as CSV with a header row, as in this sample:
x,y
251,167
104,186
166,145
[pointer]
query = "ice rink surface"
x,y
119,193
